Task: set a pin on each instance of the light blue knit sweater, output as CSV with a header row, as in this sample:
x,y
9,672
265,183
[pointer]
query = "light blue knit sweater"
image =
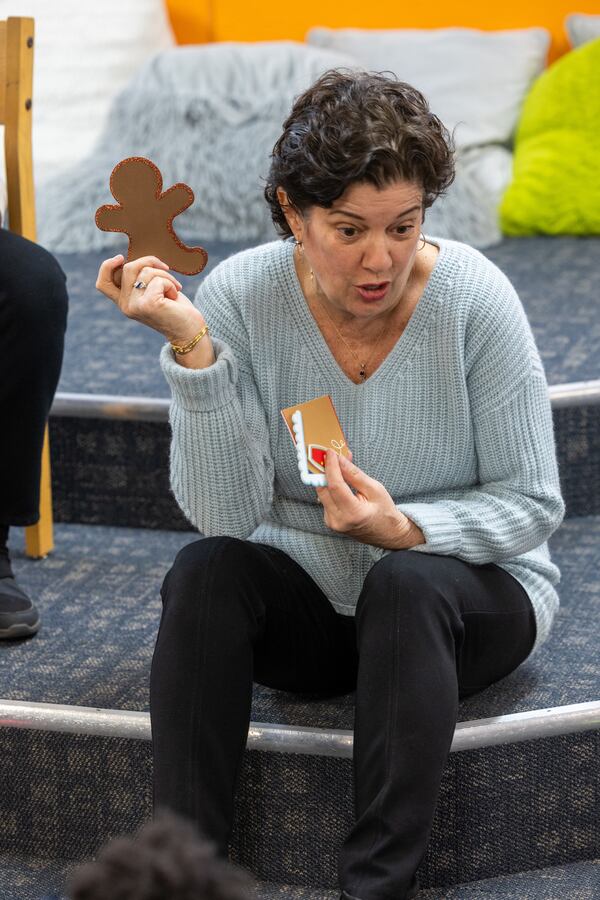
x,y
456,423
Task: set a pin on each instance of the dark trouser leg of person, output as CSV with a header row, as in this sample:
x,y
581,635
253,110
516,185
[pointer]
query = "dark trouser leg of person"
x,y
429,628
33,315
233,611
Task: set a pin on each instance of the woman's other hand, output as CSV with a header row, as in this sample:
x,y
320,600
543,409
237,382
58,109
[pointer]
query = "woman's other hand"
x,y
359,506
160,304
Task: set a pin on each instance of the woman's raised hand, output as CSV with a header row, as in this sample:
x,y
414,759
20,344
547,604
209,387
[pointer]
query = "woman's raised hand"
x,y
158,304
359,506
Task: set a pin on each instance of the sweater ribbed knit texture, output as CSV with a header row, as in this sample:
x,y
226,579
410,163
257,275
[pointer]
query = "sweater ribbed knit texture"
x,y
456,424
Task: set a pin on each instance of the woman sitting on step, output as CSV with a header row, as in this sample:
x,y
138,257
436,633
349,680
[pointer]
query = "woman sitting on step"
x,y
420,574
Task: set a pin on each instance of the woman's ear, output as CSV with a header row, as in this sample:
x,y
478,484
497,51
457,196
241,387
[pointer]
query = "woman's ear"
x,y
292,216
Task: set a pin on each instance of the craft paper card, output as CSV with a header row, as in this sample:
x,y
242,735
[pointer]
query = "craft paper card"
x,y
145,213
316,426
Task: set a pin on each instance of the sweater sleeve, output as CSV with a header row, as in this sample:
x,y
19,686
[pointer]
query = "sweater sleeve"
x,y
517,503
221,466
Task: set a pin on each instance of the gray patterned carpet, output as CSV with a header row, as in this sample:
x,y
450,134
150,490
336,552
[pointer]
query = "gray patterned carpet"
x,y
578,881
98,596
23,878
125,354
557,279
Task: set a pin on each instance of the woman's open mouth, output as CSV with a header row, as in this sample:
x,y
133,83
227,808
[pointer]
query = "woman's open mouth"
x,y
373,291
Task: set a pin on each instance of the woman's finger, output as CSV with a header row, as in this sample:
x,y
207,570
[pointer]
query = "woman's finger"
x,y
133,268
141,261
146,275
109,277
148,305
117,278
157,287
356,478
337,491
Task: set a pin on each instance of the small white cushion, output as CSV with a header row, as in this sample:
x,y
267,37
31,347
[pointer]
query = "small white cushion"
x,y
84,54
582,28
475,81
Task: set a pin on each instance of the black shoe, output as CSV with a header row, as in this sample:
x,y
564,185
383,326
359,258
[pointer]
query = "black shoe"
x,y
18,616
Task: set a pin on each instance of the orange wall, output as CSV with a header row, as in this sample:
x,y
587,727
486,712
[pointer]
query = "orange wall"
x,y
196,21
190,20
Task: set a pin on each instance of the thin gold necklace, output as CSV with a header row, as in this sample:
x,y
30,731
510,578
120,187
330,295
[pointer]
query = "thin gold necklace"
x,y
362,365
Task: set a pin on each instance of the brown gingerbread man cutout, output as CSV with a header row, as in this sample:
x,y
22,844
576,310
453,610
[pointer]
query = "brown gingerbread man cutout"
x,y
146,215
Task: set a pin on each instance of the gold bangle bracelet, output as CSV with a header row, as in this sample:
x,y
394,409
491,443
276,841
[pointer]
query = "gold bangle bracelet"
x,y
181,349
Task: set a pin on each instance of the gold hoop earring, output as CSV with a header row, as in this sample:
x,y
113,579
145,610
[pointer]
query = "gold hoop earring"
x,y
424,243
300,246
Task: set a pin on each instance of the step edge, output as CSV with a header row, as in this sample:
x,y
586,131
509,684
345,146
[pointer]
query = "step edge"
x,y
110,406
156,409
470,735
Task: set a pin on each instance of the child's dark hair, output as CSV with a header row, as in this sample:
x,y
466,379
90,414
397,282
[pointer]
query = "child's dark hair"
x,y
166,860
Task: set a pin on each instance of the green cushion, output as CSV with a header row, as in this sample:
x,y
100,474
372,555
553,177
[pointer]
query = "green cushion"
x,y
556,174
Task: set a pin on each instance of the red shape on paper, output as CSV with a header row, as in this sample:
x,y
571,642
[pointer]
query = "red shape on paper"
x,y
317,455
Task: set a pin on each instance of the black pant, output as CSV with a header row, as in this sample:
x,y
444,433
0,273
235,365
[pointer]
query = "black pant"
x,y
33,318
428,630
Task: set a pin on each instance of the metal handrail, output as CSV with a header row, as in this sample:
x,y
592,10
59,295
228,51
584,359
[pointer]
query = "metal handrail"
x,y
156,409
113,723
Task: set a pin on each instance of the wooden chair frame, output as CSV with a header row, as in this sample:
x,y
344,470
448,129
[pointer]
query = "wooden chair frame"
x,y
16,92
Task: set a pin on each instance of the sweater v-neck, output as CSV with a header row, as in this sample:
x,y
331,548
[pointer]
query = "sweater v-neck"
x,y
399,355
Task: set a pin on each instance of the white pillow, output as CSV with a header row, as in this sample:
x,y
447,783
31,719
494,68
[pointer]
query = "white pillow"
x,y
85,52
475,81
582,28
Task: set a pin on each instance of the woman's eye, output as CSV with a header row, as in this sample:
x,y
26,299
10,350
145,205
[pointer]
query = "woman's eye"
x,y
403,229
348,232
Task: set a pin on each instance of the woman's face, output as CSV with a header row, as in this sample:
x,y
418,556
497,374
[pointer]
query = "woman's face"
x,y
363,249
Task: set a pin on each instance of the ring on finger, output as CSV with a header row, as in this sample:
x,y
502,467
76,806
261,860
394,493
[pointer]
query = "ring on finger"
x,y
140,285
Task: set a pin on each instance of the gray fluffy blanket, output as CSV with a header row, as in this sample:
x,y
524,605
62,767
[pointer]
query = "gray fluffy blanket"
x,y
209,115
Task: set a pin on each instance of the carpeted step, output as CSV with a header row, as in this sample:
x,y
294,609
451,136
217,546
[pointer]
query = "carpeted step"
x,y
116,472
98,594
503,808
27,878
24,877
294,892
576,881
515,806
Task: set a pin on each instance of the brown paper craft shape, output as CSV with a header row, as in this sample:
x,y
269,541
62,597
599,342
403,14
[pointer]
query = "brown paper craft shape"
x,y
145,214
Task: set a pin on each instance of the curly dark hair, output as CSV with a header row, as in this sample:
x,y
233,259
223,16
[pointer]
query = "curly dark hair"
x,y
354,126
166,860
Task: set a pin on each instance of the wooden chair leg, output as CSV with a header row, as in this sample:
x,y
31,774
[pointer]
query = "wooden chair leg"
x,y
39,538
